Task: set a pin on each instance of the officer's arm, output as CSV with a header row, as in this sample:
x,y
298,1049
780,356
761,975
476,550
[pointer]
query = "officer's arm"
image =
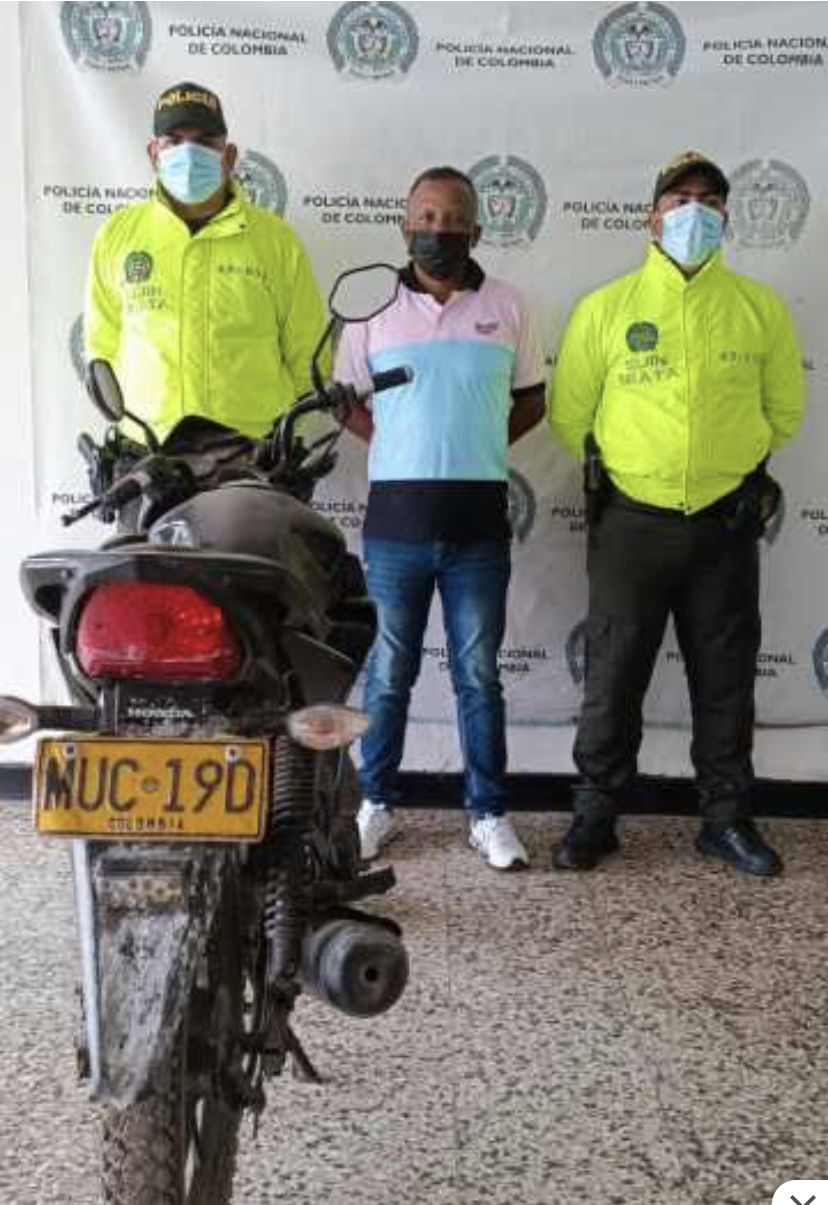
x,y
351,368
102,306
577,381
303,321
783,382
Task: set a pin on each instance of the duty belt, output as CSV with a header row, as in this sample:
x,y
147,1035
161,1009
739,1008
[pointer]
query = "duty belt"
x,y
722,506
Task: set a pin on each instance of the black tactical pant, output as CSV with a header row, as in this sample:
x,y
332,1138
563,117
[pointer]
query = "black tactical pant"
x,y
645,564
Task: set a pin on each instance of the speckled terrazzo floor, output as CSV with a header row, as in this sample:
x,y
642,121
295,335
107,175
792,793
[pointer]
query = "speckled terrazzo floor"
x,y
652,1032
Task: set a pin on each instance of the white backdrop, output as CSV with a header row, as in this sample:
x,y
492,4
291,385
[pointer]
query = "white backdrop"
x,y
562,113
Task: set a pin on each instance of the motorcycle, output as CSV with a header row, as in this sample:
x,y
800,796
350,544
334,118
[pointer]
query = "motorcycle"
x,y
202,775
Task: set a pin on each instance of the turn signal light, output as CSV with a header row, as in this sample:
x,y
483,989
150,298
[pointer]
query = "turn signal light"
x,y
326,726
18,720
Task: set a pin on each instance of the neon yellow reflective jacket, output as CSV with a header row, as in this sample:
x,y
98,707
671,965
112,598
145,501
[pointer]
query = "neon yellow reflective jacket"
x,y
687,383
220,323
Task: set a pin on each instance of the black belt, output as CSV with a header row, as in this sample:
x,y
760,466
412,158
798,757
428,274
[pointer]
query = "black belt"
x,y
724,505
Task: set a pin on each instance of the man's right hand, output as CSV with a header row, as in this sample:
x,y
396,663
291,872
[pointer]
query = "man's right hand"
x,y
358,420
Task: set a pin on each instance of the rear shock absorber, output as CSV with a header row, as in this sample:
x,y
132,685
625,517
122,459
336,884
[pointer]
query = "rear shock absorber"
x,y
287,852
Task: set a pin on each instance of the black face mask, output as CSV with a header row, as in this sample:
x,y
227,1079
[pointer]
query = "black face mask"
x,y
440,254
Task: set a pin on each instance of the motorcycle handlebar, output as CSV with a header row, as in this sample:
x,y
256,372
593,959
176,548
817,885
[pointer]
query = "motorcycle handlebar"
x,y
336,396
118,495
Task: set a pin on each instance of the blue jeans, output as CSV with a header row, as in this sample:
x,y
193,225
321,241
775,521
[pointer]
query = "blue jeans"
x,y
473,580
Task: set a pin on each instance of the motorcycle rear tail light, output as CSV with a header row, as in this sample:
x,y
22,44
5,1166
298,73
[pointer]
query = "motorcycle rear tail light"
x,y
156,632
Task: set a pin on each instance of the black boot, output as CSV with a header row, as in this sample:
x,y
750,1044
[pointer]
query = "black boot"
x,y
586,843
741,845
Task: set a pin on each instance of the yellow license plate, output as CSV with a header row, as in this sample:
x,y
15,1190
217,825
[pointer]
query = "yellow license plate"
x,y
152,790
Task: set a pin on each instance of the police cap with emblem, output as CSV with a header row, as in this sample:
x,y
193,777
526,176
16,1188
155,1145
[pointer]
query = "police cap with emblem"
x,y
689,164
188,105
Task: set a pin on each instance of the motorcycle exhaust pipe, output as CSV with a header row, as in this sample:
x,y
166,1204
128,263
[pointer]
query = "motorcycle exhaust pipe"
x,y
358,967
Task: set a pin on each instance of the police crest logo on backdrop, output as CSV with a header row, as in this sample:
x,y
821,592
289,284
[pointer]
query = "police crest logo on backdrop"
x,y
821,661
639,45
768,204
77,348
262,181
107,37
373,41
576,653
523,506
512,198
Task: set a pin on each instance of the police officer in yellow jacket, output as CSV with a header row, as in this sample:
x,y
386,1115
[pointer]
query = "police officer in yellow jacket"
x,y
679,380
204,303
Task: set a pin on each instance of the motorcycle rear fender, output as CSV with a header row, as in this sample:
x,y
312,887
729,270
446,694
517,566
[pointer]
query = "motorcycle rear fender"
x,y
326,676
143,919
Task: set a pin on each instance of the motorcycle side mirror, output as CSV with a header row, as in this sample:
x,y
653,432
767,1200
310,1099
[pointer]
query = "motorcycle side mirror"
x,y
105,391
356,296
361,293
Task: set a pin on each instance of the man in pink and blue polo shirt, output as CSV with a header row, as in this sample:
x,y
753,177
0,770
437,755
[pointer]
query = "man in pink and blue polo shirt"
x,y
438,501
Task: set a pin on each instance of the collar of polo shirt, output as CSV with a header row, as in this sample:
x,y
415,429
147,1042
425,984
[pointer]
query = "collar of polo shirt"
x,y
473,279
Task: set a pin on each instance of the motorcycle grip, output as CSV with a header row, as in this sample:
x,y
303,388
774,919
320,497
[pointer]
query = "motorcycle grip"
x,y
391,379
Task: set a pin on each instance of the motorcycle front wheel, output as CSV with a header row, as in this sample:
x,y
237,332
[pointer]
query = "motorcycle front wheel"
x,y
178,1147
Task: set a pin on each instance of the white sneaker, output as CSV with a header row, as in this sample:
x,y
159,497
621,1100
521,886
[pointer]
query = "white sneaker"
x,y
495,838
377,826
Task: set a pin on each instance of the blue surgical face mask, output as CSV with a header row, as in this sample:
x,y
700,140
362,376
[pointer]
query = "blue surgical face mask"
x,y
190,172
690,233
